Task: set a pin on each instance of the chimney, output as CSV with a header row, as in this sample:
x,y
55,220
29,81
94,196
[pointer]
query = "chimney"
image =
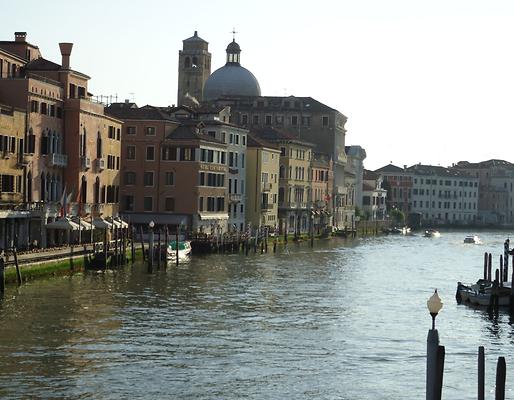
x,y
20,37
65,53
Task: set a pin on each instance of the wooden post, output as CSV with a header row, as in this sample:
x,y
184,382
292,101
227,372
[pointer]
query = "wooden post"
x,y
176,244
275,245
501,270
489,267
166,244
142,243
485,265
132,248
246,245
159,249
2,275
285,230
439,373
501,370
262,247
18,272
481,373
105,248
116,254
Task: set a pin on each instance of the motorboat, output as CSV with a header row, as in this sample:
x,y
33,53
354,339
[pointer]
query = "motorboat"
x,y
473,239
432,233
406,230
481,293
184,250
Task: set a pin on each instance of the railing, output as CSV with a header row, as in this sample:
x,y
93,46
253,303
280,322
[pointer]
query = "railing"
x,y
266,206
7,154
100,164
85,162
58,160
266,187
234,197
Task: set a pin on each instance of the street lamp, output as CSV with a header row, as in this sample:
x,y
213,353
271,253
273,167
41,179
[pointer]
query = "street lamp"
x,y
151,225
434,305
435,359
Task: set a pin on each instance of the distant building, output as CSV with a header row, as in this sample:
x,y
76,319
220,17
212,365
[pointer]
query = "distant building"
x,y
262,172
444,195
322,184
496,195
373,196
398,183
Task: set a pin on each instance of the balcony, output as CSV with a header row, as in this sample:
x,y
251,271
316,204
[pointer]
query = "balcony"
x,y
11,197
85,163
58,160
266,187
100,164
6,154
25,159
234,197
266,206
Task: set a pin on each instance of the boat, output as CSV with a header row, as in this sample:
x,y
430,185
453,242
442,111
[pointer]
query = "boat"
x,y
432,233
481,293
473,239
184,250
406,230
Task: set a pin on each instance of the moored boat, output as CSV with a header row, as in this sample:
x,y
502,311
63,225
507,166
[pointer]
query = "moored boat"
x,y
482,293
184,250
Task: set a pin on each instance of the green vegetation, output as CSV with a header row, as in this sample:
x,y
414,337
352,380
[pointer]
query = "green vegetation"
x,y
397,215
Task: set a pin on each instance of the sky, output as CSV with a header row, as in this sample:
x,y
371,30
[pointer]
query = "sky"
x,y
428,82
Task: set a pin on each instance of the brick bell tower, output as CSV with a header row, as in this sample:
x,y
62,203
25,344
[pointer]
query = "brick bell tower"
x,y
194,67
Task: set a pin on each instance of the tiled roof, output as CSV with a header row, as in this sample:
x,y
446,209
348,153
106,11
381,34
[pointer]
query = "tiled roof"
x,y
255,141
191,130
275,135
130,111
436,170
389,168
484,164
42,64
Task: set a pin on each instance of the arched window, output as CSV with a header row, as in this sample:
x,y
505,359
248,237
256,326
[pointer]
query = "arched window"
x,y
98,147
42,189
83,190
187,62
29,186
195,62
97,190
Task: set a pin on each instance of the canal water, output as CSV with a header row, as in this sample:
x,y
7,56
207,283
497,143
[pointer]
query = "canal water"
x,y
345,320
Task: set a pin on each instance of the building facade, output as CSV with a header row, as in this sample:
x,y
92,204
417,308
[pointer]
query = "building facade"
x,y
262,172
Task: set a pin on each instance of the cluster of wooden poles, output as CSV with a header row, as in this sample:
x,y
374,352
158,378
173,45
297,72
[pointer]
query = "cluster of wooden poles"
x,y
501,276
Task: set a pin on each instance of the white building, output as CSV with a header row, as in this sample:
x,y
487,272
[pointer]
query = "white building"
x,y
373,196
443,196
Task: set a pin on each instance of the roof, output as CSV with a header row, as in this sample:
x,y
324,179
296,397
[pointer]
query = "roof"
x,y
271,134
255,141
231,80
390,168
437,170
42,64
194,38
190,130
484,164
282,103
130,111
369,175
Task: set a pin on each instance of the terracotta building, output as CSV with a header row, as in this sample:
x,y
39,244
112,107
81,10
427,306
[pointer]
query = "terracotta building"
x,y
72,149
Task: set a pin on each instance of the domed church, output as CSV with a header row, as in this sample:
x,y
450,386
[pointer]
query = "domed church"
x,y
231,80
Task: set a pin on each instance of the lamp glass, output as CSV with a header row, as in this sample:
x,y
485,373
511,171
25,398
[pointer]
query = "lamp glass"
x,y
151,224
434,303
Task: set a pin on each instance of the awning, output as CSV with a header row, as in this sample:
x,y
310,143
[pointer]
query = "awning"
x,y
157,218
101,223
205,217
115,223
85,226
63,224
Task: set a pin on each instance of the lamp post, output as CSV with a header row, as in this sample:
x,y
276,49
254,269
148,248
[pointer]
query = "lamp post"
x,y
434,305
151,225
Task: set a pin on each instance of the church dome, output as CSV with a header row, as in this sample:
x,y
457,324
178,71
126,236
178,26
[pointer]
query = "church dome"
x,y
232,79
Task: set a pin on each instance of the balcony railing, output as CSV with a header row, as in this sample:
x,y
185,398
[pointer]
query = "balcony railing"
x,y
266,187
100,164
266,206
85,162
58,160
234,197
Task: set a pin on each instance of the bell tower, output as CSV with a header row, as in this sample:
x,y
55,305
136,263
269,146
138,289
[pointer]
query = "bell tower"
x,y
194,67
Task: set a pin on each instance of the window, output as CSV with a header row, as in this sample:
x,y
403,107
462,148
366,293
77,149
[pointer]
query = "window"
x,y
169,153
256,120
150,153
306,121
294,120
169,204
128,203
130,178
150,131
186,154
220,204
283,151
268,120
131,152
211,204
244,119
200,204
169,178
324,121
44,109
148,178
131,130
148,203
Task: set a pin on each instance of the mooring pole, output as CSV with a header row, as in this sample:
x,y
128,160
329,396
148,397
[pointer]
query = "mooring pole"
x,y
2,274
481,373
501,371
